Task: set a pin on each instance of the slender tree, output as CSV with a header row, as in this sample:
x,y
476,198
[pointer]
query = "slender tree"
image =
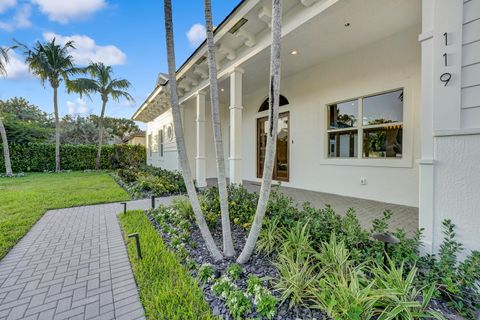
x,y
177,124
51,62
3,60
228,248
3,133
6,149
274,96
101,82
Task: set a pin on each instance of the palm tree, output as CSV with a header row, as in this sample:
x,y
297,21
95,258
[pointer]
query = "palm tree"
x,y
101,82
6,150
177,124
274,96
51,62
3,60
228,248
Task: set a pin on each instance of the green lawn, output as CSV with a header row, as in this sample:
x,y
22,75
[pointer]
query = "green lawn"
x,y
167,290
24,200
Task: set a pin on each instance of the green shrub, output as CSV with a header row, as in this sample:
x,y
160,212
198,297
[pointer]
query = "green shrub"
x,y
297,240
238,304
270,236
345,296
297,277
206,273
40,157
223,286
241,204
183,206
400,298
334,257
265,303
234,271
457,283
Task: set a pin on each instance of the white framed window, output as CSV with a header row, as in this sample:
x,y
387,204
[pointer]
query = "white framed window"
x,y
367,127
160,142
149,141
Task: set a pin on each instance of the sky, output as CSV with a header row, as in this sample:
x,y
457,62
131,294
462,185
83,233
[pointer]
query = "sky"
x,y
128,35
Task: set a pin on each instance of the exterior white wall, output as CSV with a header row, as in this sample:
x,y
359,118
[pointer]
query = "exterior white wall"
x,y
389,64
457,183
450,170
169,160
189,125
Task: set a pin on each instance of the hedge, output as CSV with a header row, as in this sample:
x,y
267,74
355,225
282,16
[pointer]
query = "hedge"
x,y
40,157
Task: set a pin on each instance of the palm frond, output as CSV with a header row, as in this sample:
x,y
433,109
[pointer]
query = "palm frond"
x,y
50,61
83,86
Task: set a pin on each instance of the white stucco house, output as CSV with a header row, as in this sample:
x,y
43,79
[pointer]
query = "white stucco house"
x,y
380,100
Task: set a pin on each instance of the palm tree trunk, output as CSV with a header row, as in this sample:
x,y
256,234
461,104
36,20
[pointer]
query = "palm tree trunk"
x,y
57,130
177,124
274,96
6,150
228,248
100,135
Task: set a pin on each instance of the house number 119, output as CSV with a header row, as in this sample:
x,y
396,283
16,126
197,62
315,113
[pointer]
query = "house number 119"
x,y
445,77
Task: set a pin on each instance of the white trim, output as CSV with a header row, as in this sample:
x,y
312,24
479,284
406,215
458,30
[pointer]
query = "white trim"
x,y
461,132
407,125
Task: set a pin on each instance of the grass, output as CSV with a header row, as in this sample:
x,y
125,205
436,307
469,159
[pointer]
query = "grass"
x,y
167,291
23,200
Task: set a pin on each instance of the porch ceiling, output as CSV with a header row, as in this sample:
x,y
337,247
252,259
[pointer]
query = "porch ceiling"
x,y
319,39
326,36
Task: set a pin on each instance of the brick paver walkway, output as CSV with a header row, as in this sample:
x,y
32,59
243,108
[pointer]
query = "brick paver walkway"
x,y
72,264
404,217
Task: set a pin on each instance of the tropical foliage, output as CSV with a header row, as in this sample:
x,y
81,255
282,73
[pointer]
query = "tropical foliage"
x,y
52,63
102,83
40,157
330,262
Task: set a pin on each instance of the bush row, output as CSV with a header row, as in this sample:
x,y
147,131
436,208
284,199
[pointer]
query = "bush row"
x,y
330,262
144,181
40,157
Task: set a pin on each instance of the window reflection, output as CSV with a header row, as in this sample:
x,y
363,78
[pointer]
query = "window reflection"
x,y
383,108
384,142
343,115
343,144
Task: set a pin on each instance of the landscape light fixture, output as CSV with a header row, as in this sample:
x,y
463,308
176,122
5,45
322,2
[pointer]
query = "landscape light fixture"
x,y
153,202
124,204
386,238
137,242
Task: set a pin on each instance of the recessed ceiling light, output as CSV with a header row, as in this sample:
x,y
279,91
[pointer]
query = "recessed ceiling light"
x,y
222,89
347,24
294,52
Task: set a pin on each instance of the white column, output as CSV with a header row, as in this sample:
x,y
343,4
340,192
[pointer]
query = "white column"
x,y
236,126
200,159
426,163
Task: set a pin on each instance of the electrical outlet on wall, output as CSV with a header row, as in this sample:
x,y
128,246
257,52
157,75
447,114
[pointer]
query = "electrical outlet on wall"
x,y
363,181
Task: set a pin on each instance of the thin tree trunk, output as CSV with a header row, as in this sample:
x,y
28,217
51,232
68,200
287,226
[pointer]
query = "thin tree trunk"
x,y
100,135
57,130
6,150
228,248
177,124
274,96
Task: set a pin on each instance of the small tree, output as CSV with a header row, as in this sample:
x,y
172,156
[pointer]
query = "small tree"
x,y
274,96
51,62
228,248
3,133
101,82
177,124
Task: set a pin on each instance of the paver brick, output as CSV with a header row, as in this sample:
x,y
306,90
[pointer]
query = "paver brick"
x,y
72,263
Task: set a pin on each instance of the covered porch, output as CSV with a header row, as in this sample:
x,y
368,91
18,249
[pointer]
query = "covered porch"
x,y
333,52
